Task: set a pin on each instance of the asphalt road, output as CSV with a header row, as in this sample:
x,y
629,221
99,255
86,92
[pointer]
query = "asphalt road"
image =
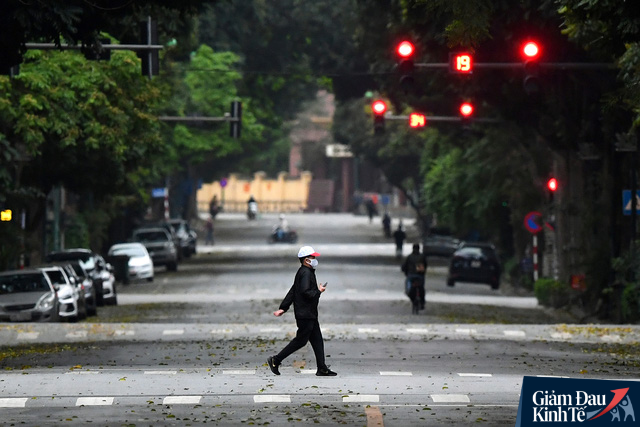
x,y
191,347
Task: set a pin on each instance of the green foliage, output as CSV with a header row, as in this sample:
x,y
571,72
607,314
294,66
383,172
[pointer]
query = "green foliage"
x,y
551,293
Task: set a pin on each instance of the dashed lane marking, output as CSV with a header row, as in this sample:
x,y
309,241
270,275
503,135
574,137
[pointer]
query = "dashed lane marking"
x,y
94,401
611,338
124,333
417,330
181,400
221,331
160,372
270,329
466,331
450,398
561,335
368,330
272,398
362,398
28,335
308,371
396,374
173,332
239,371
82,373
13,402
474,375
515,333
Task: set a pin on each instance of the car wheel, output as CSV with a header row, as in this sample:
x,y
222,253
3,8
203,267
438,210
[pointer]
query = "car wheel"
x,y
172,266
495,285
451,283
150,279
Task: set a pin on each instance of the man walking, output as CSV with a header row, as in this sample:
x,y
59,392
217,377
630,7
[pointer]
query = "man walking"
x,y
304,295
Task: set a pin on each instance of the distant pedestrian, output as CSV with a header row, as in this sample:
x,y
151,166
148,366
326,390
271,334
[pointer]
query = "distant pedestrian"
x,y
371,209
399,235
213,207
209,228
304,295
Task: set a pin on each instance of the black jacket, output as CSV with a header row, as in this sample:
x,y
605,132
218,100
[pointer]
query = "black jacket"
x,y
411,263
304,295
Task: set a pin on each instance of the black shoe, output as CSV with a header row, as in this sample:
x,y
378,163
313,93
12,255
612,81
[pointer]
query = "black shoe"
x,y
325,372
273,365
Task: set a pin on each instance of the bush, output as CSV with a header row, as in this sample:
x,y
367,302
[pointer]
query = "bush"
x,y
631,303
551,293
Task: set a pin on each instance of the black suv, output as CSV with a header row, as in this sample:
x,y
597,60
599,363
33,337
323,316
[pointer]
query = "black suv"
x,y
475,262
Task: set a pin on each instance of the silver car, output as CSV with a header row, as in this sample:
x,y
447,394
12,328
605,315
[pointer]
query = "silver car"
x,y
27,296
160,246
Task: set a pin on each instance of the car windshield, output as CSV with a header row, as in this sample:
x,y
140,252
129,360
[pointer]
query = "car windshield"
x,y
78,269
19,283
152,236
131,251
56,277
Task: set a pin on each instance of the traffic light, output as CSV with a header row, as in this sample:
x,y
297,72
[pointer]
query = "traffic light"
x,y
236,119
417,120
466,112
96,52
552,186
531,55
460,63
6,215
150,58
405,51
379,108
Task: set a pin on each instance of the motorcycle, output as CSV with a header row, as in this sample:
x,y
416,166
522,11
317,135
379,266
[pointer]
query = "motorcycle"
x,y
252,210
278,236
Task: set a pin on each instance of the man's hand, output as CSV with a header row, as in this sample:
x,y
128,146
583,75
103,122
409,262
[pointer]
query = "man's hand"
x,y
278,313
322,287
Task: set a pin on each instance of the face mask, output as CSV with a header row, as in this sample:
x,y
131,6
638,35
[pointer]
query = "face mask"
x,y
314,263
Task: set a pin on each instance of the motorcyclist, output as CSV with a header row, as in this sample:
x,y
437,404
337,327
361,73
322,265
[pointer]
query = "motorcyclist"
x,y
252,208
414,268
282,228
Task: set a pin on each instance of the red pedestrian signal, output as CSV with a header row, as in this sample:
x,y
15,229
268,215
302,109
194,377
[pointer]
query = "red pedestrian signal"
x,y
417,120
466,109
405,49
552,184
531,55
461,63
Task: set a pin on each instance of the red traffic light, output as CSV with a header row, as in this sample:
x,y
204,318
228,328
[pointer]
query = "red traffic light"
x,y
379,107
461,62
405,49
466,109
552,184
417,120
531,50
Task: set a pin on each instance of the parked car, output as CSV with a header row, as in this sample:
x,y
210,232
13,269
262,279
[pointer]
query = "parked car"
x,y
476,263
26,296
140,264
73,306
440,245
160,246
170,229
98,269
187,237
76,272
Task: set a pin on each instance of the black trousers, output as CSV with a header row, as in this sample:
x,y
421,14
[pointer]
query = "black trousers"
x,y
308,331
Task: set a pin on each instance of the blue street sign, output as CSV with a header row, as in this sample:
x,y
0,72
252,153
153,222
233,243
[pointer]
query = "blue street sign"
x,y
626,202
157,192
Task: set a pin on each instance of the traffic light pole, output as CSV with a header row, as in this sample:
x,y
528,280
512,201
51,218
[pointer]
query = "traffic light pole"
x,y
512,65
443,119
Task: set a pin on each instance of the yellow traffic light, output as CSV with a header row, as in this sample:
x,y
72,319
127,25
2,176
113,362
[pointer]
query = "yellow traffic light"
x,y
5,215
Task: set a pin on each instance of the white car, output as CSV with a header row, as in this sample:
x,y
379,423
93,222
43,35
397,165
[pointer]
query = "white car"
x,y
72,302
140,263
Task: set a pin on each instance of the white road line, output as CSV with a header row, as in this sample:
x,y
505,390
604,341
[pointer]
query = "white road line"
x,y
368,330
561,335
77,334
272,398
417,330
395,374
173,332
160,372
361,398
94,401
239,371
474,375
515,333
184,400
450,398
550,376
466,331
611,338
221,331
126,333
308,371
270,329
13,402
82,373
28,335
